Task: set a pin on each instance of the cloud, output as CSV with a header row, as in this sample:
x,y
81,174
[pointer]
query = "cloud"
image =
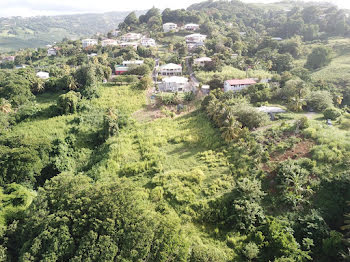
x,y
50,7
54,7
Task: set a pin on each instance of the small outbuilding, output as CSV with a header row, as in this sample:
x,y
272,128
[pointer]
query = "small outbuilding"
x,y
43,75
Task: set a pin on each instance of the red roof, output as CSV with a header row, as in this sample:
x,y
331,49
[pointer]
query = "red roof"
x,y
247,81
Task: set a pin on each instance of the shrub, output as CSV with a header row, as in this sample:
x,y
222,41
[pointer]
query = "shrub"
x,y
303,122
331,113
319,100
345,124
319,57
67,103
250,117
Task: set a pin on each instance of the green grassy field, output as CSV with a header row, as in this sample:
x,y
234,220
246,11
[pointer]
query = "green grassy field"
x,y
339,68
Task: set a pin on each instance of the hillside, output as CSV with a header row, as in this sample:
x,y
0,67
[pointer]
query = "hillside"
x,y
31,32
219,133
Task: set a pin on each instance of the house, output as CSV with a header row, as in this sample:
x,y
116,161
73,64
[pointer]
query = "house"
x,y
51,52
20,66
238,84
43,75
205,89
191,27
109,42
91,55
167,27
89,42
170,70
148,42
129,37
195,38
277,38
202,61
121,69
9,58
126,44
132,62
175,84
115,33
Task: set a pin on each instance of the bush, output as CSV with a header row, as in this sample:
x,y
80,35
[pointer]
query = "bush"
x,y
320,57
303,122
345,124
68,103
250,117
319,100
331,113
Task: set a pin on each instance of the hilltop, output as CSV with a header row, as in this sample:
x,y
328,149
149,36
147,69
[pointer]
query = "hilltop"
x,y
31,32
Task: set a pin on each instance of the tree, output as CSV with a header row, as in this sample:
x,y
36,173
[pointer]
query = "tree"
x,y
216,82
145,82
117,224
241,208
319,57
131,19
249,116
319,100
331,113
68,103
231,129
311,32
282,62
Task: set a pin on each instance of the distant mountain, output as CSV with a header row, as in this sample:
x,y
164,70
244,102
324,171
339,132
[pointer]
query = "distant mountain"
x,y
29,32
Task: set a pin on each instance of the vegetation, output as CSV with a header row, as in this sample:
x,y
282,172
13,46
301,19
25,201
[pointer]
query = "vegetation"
x,y
102,167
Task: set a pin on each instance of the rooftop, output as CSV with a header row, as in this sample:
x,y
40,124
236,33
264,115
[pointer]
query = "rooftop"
x,y
175,79
271,109
246,81
171,66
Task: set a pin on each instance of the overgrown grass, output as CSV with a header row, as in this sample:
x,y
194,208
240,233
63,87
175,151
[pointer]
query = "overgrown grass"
x,y
230,73
339,68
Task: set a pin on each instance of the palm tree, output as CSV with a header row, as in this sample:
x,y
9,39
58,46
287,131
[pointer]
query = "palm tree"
x,y
38,85
5,106
231,129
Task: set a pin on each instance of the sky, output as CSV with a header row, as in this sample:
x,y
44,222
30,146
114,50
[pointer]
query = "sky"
x,y
56,7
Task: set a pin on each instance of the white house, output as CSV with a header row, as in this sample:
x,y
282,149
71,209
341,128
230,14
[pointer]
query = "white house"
x,y
202,61
9,58
175,84
109,42
191,27
167,27
43,75
238,84
121,69
132,44
51,52
170,70
89,42
195,38
132,62
148,42
277,38
129,37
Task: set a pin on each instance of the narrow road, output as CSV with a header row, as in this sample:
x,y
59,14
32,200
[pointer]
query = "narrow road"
x,y
193,78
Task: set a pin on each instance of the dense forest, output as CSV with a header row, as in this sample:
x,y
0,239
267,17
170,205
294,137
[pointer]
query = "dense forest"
x,y
102,167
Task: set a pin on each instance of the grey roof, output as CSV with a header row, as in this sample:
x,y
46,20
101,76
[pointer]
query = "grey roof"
x,y
271,109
